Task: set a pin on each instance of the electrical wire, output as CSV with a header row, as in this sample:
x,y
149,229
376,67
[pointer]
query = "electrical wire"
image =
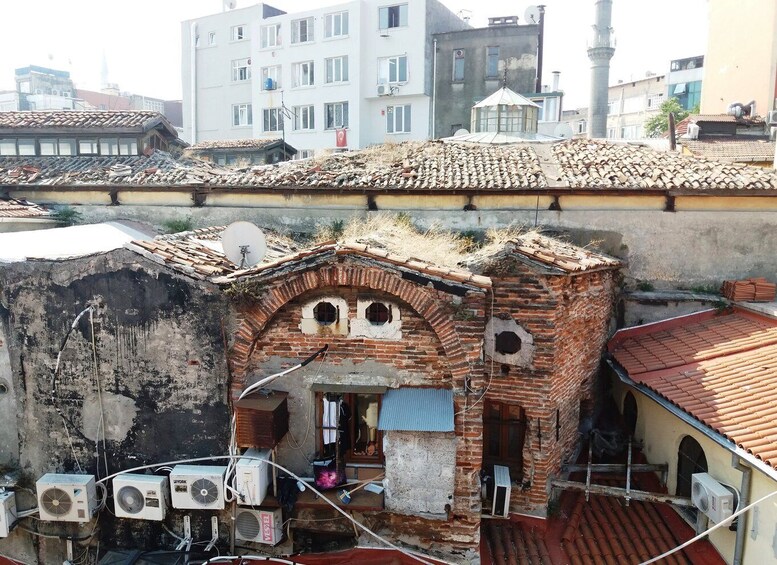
x,y
101,425
490,376
709,530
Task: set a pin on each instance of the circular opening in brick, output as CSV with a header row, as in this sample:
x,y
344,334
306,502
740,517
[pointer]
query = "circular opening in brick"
x,y
377,313
3,387
507,343
325,313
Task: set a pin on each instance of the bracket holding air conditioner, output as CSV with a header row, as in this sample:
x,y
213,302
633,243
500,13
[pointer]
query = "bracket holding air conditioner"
x,y
214,528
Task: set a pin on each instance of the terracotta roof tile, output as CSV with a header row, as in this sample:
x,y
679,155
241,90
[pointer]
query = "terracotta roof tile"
x,y
75,119
732,150
12,208
565,256
234,144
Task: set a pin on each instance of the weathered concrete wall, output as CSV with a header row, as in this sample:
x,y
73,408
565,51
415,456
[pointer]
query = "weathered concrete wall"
x,y
637,308
160,367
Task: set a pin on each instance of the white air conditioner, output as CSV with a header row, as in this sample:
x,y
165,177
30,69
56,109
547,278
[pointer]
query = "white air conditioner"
x,y
771,118
197,487
259,526
384,90
711,497
500,506
143,497
693,131
66,498
7,512
252,477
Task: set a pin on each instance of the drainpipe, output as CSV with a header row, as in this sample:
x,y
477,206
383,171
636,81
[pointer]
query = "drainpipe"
x,y
193,75
434,89
744,500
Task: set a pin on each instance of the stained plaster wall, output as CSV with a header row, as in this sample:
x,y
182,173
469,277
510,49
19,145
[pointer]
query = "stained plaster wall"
x,y
160,364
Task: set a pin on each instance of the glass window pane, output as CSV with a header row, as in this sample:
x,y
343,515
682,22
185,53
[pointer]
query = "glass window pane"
x,y
48,146
87,146
26,147
407,119
403,15
67,146
402,68
7,147
344,23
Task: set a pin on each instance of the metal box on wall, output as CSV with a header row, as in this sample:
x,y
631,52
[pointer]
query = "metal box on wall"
x,y
261,421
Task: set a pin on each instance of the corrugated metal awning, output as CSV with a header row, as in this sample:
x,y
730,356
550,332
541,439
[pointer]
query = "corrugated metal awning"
x,y
417,410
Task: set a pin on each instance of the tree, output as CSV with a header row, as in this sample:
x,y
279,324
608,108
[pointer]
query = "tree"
x,y
659,124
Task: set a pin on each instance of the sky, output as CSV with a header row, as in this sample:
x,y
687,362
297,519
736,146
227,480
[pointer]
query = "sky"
x,y
141,39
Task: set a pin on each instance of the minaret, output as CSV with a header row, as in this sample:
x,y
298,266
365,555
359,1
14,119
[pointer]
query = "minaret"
x,y
600,51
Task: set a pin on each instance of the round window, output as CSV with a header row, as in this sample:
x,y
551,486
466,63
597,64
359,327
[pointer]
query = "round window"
x,y
378,314
325,313
507,343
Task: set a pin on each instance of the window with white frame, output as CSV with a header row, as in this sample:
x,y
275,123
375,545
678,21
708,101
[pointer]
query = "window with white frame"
x,y
212,38
654,101
303,74
303,118
239,32
612,107
458,64
303,154
392,69
336,115
273,119
241,115
302,30
241,69
270,36
392,16
273,73
337,69
582,126
398,119
336,24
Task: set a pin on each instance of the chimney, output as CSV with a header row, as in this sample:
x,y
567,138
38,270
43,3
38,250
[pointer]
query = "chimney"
x,y
600,51
556,76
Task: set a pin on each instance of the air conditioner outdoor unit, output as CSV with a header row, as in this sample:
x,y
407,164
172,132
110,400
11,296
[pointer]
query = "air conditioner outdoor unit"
x,y
197,487
771,118
259,526
693,131
711,497
66,498
500,506
143,497
7,512
384,90
252,477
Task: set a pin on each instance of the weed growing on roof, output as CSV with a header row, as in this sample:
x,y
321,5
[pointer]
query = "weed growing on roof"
x,y
67,216
245,293
645,286
706,289
178,225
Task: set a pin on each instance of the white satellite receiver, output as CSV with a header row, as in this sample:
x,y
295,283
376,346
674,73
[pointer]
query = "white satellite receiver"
x,y
532,15
244,244
460,131
564,131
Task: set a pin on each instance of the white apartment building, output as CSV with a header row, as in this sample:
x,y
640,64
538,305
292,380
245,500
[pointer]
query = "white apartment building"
x,y
364,66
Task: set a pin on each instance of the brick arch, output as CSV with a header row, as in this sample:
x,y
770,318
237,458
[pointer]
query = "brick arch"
x,y
422,301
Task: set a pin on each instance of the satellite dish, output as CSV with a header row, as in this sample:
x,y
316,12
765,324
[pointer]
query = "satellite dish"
x,y
563,131
461,131
532,15
230,4
244,244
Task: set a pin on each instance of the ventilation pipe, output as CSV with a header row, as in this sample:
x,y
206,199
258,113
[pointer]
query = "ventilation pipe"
x,y
600,51
556,77
744,500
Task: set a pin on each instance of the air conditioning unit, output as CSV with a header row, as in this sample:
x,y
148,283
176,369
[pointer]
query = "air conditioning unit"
x,y
66,498
500,506
7,512
711,497
384,90
771,118
259,526
252,477
693,131
143,497
197,487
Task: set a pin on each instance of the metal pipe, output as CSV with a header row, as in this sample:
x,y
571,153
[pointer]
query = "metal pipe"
x,y
622,492
193,79
540,41
744,500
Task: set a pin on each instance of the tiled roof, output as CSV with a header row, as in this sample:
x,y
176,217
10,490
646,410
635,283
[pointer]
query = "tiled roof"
x,y
732,150
713,118
562,255
720,369
511,542
11,208
75,119
234,144
598,164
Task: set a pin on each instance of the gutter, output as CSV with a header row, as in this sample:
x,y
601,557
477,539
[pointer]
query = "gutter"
x,y
718,438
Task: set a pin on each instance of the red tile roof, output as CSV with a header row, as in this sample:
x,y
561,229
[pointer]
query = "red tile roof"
x,y
12,208
76,119
736,150
719,368
235,144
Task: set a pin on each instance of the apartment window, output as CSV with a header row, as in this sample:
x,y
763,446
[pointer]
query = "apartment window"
x,y
238,32
273,119
241,69
630,132
654,101
26,147
87,147
7,147
212,38
393,69
612,107
582,126
458,64
270,36
303,154
304,118
504,433
302,30
350,420
611,133
392,16
337,69
303,74
48,146
336,115
271,73
109,146
492,62
398,119
336,25
68,147
128,146
241,115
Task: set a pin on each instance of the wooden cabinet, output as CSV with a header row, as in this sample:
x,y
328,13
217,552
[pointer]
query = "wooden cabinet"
x,y
262,420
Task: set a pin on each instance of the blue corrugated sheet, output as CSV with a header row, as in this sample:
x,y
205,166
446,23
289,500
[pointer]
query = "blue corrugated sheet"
x,y
417,410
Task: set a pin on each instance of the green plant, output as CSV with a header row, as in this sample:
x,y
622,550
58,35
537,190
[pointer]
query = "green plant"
x,y
706,289
67,216
645,286
245,292
404,219
659,124
462,313
178,225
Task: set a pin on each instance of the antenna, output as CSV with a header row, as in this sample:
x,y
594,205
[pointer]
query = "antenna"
x,y
532,15
244,244
563,131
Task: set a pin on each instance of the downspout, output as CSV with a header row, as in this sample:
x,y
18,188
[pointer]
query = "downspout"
x,y
434,90
744,500
193,74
